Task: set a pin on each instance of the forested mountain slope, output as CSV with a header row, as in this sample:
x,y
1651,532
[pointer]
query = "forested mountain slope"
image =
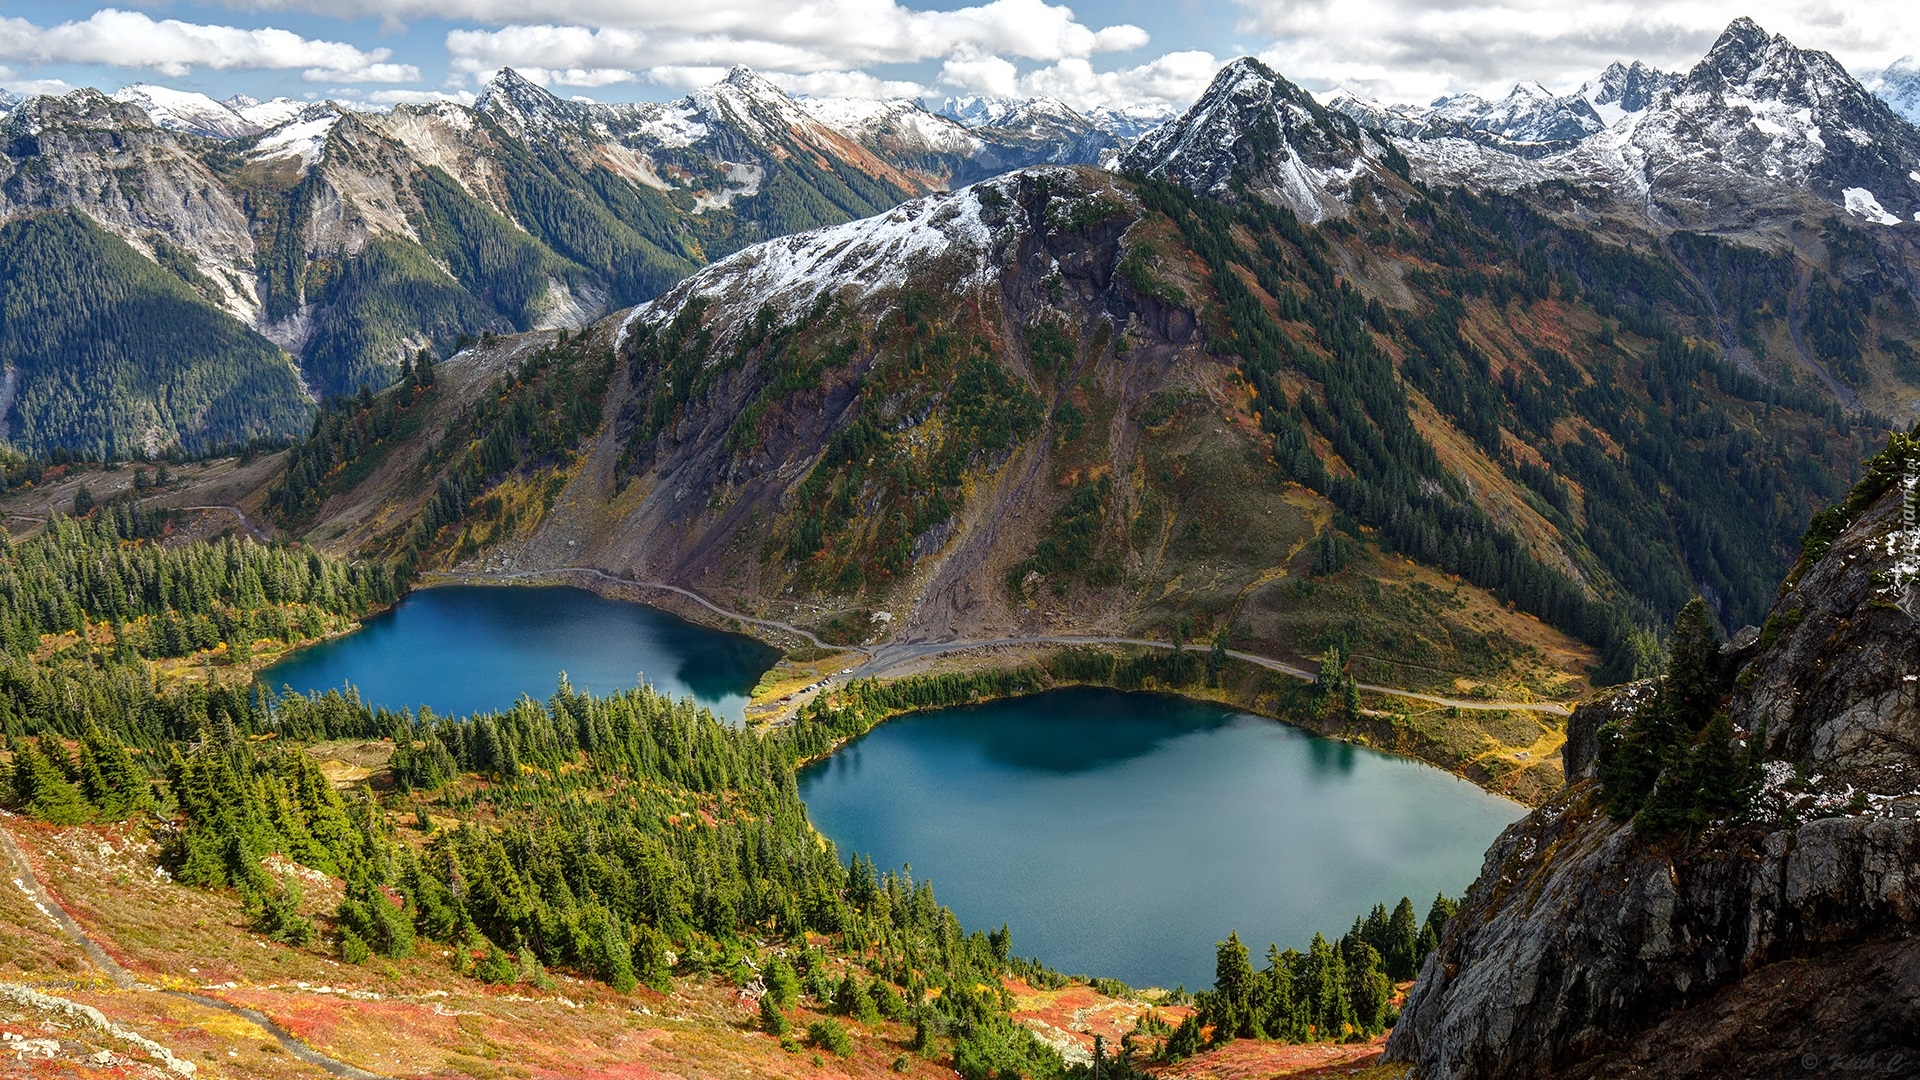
x,y
1061,402
352,239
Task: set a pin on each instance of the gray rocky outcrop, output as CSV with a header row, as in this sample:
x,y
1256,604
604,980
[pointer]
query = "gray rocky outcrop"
x,y
1759,948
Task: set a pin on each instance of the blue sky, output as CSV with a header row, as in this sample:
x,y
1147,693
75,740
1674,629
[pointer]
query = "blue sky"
x,y
1116,53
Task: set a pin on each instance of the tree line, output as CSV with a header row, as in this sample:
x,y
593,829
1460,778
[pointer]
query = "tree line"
x,y
1340,990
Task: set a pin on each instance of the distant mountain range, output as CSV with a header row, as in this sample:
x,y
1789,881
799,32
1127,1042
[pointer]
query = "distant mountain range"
x,y
335,242
1758,127
345,240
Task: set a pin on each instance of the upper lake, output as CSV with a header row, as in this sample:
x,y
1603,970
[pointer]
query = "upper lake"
x,y
1122,834
463,649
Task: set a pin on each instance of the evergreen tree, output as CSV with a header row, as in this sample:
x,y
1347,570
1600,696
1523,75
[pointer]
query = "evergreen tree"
x,y
42,789
1403,937
772,1020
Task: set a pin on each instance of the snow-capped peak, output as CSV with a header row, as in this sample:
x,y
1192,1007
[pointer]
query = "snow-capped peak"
x,y
1624,89
901,123
748,81
1022,114
1255,126
533,109
1899,87
746,101
186,111
1758,127
1129,122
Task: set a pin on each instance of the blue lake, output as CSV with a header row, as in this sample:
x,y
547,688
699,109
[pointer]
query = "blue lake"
x,y
1123,834
1116,834
467,648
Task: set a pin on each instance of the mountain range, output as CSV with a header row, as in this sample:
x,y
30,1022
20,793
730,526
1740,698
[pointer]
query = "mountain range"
x,y
343,241
334,243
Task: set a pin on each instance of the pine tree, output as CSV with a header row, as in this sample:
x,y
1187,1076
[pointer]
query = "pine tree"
x,y
1403,936
495,967
1229,1008
783,986
1368,990
772,1020
41,788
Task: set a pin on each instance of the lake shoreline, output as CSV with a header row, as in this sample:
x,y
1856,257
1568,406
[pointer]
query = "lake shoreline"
x,y
1432,736
1075,786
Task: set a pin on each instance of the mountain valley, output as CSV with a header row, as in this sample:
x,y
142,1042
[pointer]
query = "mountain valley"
x,y
1556,440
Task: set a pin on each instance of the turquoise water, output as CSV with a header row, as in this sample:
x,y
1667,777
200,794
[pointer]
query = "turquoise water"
x,y
1116,834
1123,834
463,649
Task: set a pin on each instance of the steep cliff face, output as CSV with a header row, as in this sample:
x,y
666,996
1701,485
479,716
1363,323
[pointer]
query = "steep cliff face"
x,y
1783,943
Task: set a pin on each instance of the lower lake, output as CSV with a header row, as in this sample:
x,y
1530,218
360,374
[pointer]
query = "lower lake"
x,y
1117,834
462,649
1122,834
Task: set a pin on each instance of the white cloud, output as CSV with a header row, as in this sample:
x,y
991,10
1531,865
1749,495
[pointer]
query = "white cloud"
x,y
989,75
1414,50
853,84
826,40
131,39
1171,82
12,83
413,97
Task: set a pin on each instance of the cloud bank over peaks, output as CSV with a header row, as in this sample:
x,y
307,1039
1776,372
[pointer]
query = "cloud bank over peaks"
x,y
172,47
1418,50
822,45
1168,84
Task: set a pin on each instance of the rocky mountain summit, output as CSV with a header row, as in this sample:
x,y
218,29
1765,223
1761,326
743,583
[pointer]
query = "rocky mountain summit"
x,y
1254,127
1779,940
1627,88
1758,128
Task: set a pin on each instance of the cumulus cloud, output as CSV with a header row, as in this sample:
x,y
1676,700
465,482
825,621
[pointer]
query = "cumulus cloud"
x,y
11,83
825,40
1414,50
1169,83
131,39
412,97
854,84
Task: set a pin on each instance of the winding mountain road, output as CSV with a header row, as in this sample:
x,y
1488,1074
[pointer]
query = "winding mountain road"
x,y
891,657
29,883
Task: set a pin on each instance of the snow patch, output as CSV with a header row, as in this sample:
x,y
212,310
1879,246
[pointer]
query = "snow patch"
x,y
743,181
304,139
673,127
184,111
1861,203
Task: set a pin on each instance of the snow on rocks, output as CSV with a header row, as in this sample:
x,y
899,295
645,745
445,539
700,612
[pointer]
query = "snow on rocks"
x,y
304,138
1861,203
183,110
1251,122
855,261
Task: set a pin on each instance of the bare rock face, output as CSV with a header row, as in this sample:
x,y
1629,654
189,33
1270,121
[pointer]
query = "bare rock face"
x,y
1783,943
